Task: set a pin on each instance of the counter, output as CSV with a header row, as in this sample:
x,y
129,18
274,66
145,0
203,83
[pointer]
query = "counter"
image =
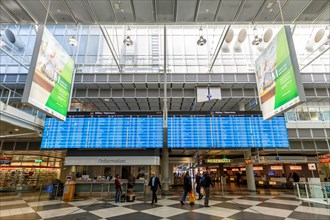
x,y
103,187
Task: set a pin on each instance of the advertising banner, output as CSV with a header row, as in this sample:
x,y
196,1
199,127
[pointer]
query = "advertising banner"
x,y
49,83
278,76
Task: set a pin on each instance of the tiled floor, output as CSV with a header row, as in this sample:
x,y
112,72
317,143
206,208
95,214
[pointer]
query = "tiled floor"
x,y
230,204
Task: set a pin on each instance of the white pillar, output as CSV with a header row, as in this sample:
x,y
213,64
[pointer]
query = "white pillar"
x,y
249,172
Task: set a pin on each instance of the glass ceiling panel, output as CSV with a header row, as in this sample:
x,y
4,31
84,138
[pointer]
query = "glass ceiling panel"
x,y
183,55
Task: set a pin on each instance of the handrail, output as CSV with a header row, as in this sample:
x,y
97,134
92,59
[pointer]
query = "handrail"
x,y
18,104
313,192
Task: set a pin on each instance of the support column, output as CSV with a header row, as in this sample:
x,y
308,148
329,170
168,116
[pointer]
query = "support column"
x,y
249,172
165,160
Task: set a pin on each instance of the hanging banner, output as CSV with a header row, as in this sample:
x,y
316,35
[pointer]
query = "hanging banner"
x,y
49,82
278,76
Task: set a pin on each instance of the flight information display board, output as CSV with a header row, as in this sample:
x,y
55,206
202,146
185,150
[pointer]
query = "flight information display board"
x,y
220,131
105,131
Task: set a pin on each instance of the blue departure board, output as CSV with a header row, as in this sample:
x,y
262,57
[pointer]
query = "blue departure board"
x,y
103,132
227,132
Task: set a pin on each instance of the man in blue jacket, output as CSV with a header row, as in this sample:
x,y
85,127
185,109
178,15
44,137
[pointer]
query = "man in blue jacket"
x,y
154,183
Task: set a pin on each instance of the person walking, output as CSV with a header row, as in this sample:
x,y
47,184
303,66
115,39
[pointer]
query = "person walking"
x,y
198,186
187,187
208,183
118,188
154,183
295,177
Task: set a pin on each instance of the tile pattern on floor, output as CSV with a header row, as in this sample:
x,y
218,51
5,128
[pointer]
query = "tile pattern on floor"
x,y
263,204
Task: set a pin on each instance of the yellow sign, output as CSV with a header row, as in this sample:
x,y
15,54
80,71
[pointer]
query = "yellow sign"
x,y
223,160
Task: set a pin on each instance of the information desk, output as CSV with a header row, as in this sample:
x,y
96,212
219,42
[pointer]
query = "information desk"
x,y
104,187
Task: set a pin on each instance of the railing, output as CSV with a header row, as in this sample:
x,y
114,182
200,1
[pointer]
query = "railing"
x,y
11,98
313,192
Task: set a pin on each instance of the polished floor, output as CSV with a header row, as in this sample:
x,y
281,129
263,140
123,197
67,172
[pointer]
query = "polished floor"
x,y
229,203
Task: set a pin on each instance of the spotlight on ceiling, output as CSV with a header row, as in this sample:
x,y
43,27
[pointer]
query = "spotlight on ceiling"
x,y
257,40
73,41
201,41
128,41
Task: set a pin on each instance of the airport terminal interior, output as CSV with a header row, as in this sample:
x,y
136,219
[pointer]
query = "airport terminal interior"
x,y
218,108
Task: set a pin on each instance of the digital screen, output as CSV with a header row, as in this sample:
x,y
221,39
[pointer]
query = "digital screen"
x,y
103,132
278,76
227,132
49,82
271,172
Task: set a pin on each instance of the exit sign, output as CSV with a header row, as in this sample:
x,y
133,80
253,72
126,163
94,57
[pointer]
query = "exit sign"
x,y
38,161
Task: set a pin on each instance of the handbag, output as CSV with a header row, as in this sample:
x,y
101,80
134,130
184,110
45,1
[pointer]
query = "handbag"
x,y
192,197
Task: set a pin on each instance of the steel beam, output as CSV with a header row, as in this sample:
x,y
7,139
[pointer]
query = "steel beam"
x,y
109,43
221,40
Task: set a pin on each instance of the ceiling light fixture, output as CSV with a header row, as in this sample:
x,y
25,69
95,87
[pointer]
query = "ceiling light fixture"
x,y
201,41
257,40
73,41
128,41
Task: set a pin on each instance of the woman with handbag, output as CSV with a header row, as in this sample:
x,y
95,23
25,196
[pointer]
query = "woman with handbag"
x,y
187,187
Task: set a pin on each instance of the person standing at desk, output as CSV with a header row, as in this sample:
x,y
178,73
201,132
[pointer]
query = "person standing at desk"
x,y
118,189
154,183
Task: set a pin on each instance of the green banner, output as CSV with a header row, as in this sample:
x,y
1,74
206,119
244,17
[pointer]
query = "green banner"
x,y
276,76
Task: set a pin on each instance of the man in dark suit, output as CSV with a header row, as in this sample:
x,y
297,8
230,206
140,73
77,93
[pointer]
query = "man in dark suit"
x,y
154,183
208,183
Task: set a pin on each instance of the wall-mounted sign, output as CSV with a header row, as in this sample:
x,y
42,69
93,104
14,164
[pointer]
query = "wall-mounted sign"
x,y
258,168
276,168
38,161
295,168
115,160
235,169
222,160
242,169
5,160
324,158
311,166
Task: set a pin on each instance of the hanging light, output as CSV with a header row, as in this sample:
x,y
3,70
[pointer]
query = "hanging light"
x,y
201,41
128,41
257,40
73,41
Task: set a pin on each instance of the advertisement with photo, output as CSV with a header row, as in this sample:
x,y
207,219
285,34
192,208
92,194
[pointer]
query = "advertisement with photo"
x,y
278,76
49,82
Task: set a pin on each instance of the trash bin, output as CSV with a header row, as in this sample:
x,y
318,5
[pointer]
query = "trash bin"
x,y
68,192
